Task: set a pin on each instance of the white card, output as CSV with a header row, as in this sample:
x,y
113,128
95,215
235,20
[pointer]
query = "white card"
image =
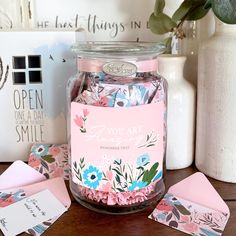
x,y
29,212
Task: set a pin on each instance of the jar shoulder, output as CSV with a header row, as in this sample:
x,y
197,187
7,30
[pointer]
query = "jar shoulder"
x,y
218,42
181,85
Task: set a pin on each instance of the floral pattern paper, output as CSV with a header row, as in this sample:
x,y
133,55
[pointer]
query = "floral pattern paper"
x,y
50,160
189,217
119,177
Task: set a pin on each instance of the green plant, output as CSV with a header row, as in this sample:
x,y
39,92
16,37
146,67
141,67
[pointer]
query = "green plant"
x,y
161,23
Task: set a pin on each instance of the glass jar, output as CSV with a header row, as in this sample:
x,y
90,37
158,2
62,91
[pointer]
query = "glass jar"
x,y
117,126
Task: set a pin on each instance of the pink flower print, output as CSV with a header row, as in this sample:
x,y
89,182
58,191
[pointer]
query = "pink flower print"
x,y
86,112
79,121
8,202
54,151
34,161
109,175
103,102
185,219
190,227
2,203
163,206
59,172
106,187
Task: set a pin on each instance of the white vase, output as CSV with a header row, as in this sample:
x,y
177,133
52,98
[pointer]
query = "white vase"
x,y
195,32
181,112
216,109
189,48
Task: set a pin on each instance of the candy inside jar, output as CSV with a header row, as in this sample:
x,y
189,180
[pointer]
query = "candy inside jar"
x,y
117,127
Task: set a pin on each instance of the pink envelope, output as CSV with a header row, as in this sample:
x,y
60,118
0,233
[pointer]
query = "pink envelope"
x,y
19,174
193,206
56,186
198,189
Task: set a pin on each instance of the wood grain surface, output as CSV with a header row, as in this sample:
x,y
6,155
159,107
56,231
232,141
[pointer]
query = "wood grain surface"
x,y
83,222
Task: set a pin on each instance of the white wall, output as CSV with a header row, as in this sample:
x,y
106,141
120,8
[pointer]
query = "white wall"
x,y
101,19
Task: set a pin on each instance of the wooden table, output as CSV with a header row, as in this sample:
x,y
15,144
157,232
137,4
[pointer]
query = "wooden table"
x,y
80,221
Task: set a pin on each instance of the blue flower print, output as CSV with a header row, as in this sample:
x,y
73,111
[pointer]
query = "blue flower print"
x,y
161,216
121,100
137,185
92,177
171,200
39,229
40,150
19,195
143,160
209,233
141,94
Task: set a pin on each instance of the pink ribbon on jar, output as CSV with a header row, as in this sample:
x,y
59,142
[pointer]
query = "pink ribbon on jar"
x,y
91,65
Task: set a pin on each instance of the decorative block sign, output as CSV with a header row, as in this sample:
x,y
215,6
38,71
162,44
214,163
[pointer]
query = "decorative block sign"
x,y
34,70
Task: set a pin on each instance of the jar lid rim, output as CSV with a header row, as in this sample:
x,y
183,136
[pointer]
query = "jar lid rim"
x,y
118,48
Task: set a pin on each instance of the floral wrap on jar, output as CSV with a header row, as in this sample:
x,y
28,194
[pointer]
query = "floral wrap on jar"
x,y
117,127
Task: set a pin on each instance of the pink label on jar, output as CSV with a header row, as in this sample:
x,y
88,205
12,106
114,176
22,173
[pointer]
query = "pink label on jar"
x,y
117,149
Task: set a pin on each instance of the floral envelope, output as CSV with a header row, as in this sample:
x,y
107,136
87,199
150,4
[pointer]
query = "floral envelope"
x,y
51,160
193,206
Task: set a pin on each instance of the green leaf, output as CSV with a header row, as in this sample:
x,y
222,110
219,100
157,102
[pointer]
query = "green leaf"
x,y
130,179
182,210
191,10
207,4
118,162
168,218
154,168
48,158
75,165
44,164
218,230
149,175
46,175
140,175
168,42
225,10
118,179
159,7
176,213
126,176
117,171
150,145
140,168
121,190
182,11
161,24
145,176
197,13
146,163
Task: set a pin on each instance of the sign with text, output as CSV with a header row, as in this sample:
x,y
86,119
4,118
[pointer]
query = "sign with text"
x,y
101,19
33,80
